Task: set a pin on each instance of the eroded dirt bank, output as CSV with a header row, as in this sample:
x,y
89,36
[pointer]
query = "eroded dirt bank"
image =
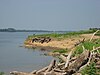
x,y
66,43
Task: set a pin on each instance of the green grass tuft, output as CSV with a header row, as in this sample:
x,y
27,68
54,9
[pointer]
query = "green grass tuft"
x,y
88,45
90,70
60,51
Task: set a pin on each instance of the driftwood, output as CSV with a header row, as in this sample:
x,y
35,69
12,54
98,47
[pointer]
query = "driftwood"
x,y
98,63
96,49
52,64
62,57
33,72
89,59
19,73
42,70
68,59
78,43
93,35
97,66
80,61
69,66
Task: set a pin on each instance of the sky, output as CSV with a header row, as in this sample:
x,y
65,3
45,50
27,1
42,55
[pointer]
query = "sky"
x,y
54,15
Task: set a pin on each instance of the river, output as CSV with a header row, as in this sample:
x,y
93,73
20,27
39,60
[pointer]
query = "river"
x,y
13,57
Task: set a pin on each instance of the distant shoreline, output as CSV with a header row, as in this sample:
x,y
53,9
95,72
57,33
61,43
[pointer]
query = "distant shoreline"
x,y
26,31
15,30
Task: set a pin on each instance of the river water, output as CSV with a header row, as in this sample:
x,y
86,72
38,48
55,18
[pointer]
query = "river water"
x,y
13,57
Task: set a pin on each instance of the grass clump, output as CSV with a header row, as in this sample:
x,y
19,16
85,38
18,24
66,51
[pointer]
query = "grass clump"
x,y
88,45
78,50
60,51
90,70
98,34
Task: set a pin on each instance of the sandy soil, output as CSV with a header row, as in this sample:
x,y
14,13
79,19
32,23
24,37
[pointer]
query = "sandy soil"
x,y
67,43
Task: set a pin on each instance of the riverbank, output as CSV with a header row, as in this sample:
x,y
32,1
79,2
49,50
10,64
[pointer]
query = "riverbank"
x,y
58,41
82,56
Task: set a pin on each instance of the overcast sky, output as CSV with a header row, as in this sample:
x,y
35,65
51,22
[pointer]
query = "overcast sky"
x,y
50,14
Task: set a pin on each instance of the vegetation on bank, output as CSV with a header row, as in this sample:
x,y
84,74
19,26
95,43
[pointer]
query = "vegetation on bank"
x,y
64,35
90,70
88,45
